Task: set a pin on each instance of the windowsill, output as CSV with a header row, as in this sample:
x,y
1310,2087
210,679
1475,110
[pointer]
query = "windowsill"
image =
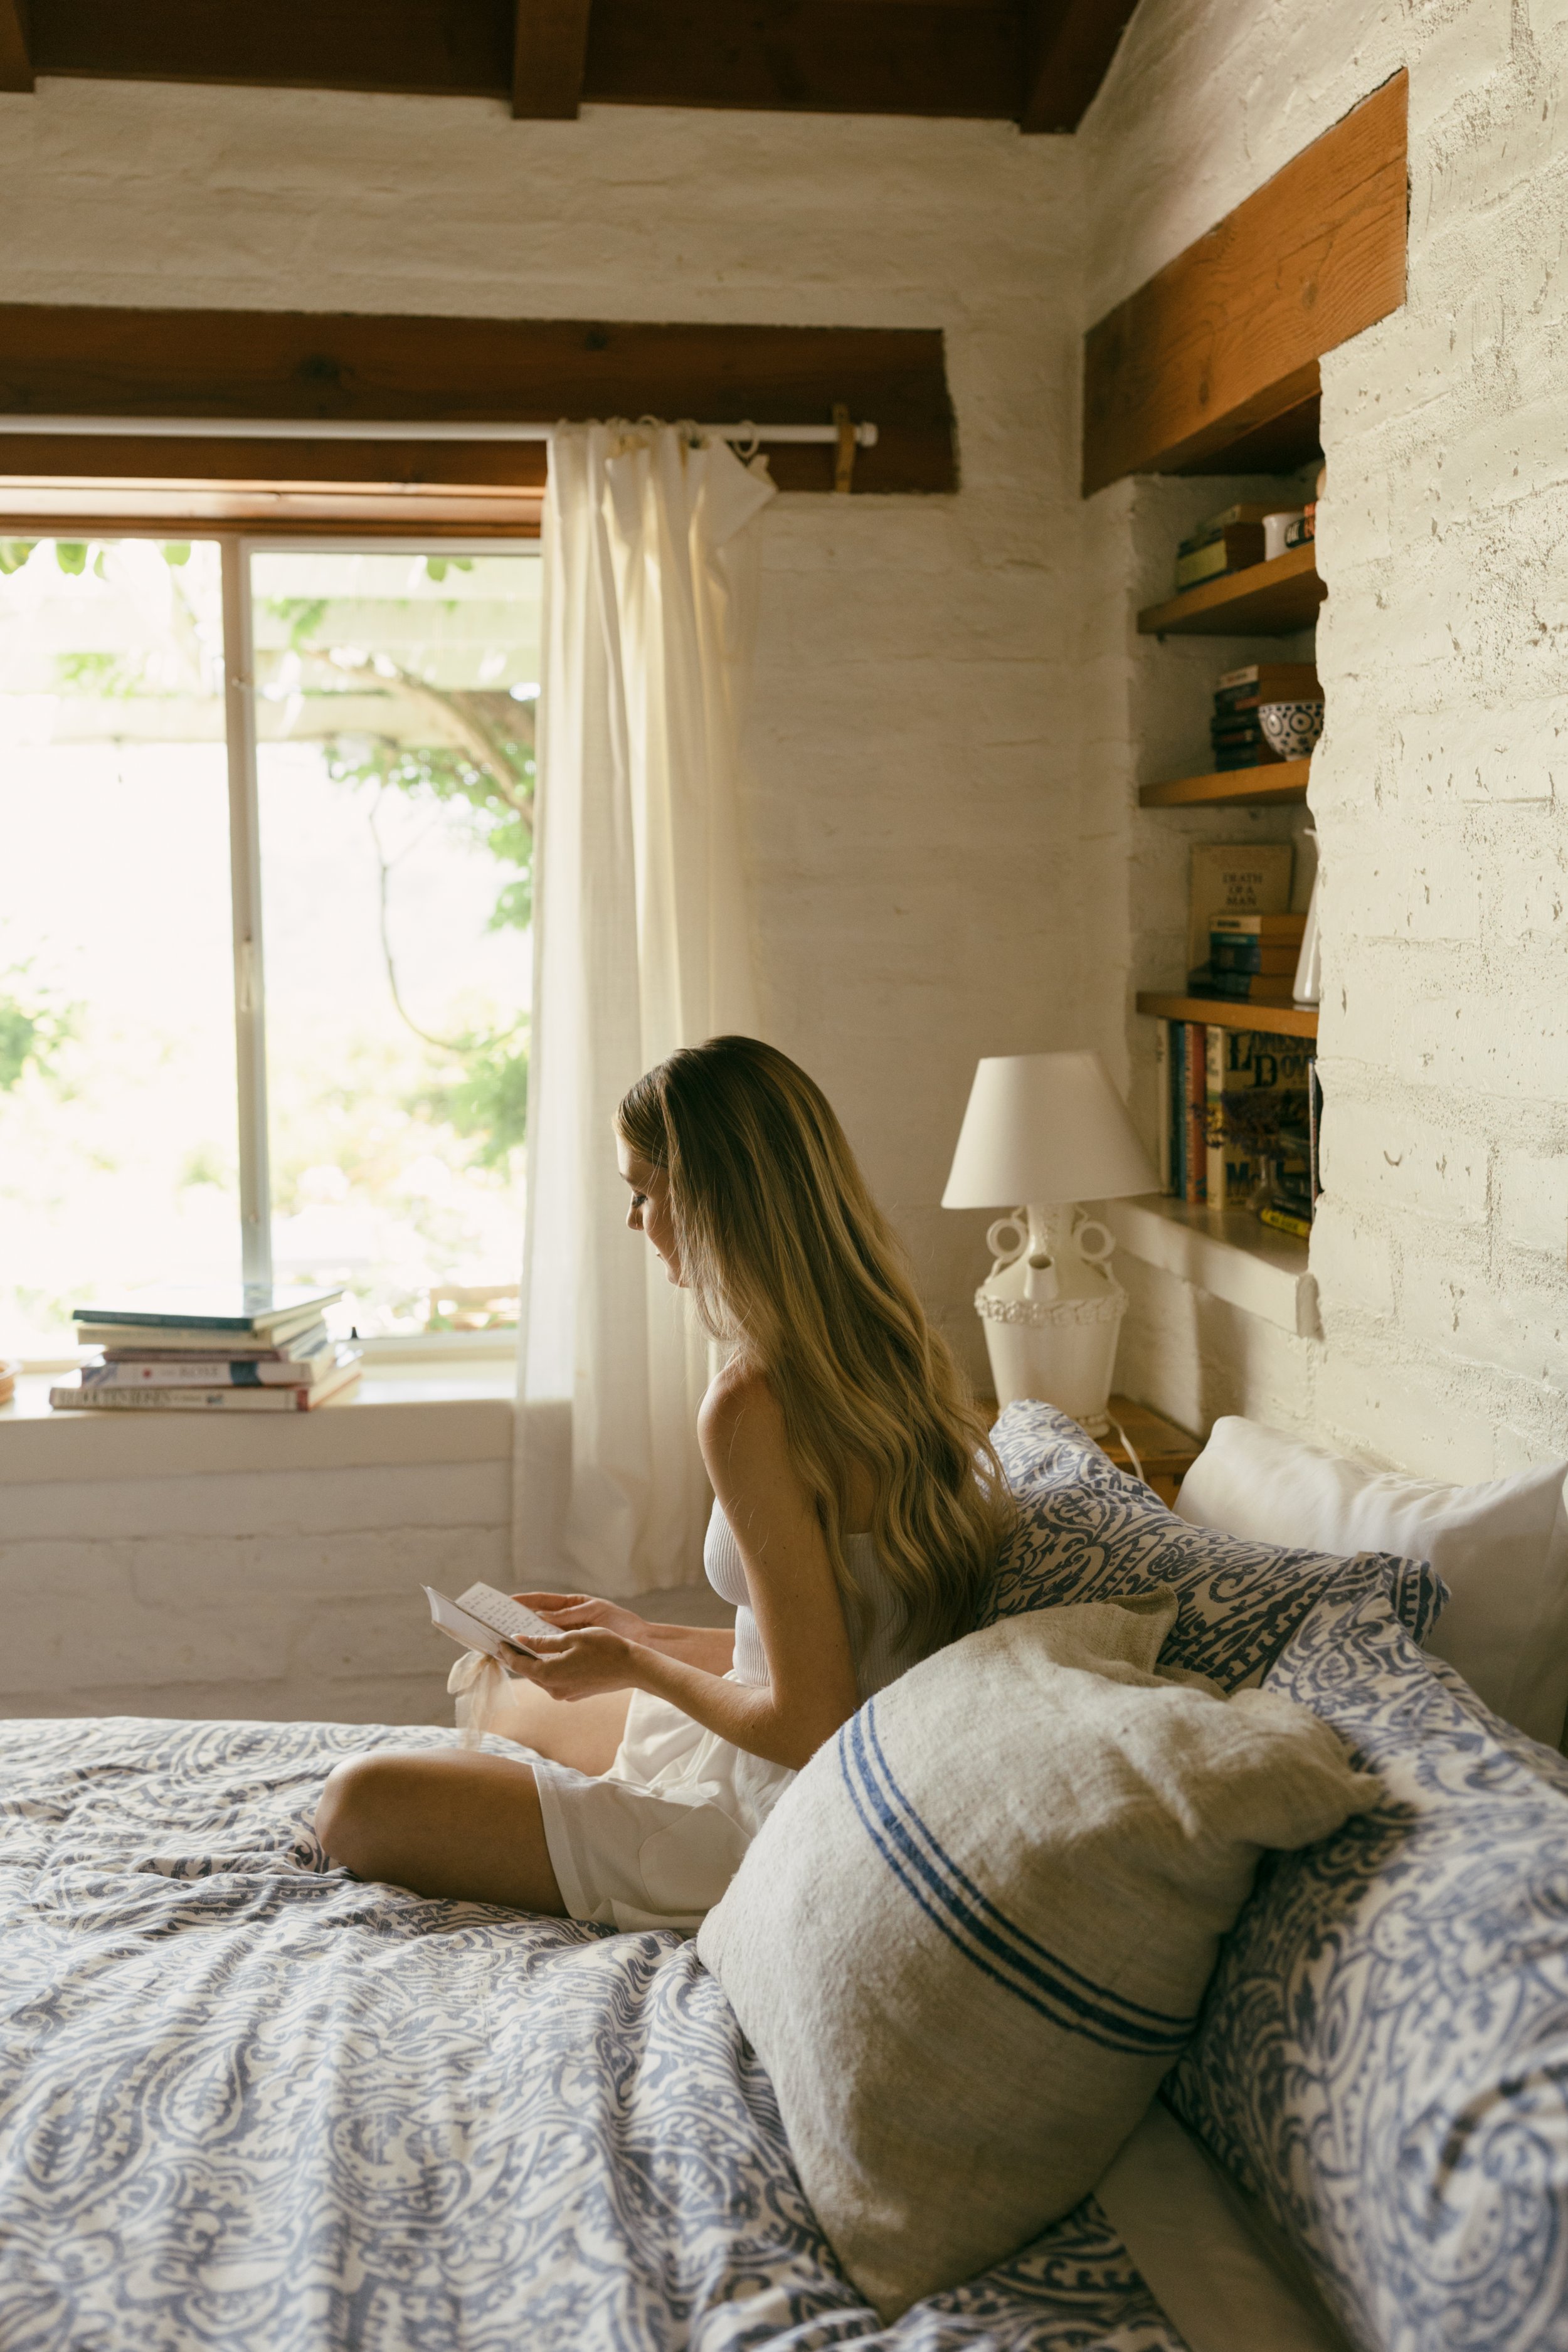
x,y
434,1409
1225,1252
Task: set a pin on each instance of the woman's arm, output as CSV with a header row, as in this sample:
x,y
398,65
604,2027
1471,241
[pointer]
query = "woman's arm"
x,y
709,1646
811,1689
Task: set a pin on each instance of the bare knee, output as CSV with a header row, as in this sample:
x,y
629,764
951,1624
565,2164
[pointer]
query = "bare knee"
x,y
357,1809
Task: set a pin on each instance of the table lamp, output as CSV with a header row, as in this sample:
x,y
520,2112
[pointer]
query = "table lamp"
x,y
1048,1130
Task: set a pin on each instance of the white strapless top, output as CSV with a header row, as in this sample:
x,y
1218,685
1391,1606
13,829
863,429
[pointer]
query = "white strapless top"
x,y
880,1654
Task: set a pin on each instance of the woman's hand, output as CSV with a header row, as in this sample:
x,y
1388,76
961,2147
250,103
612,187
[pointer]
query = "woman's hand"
x,y
578,1665
568,1612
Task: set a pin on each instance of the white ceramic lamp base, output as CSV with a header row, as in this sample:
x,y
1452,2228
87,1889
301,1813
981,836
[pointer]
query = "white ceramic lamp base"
x,y
1059,1347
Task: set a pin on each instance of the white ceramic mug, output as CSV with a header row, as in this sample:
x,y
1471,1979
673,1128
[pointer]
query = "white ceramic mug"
x,y
1275,526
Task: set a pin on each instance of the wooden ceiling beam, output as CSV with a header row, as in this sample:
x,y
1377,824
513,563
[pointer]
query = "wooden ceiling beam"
x,y
1070,46
549,51
823,57
461,49
1036,61
15,55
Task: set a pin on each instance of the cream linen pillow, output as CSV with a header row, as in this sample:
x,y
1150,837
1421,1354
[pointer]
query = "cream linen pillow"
x,y
1502,1549
975,1931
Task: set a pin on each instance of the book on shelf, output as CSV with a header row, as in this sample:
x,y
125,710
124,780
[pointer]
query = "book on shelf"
x,y
1214,1189
1195,1116
1271,682
1173,1121
1234,878
1242,987
1261,926
1235,549
1228,954
1240,1110
1163,1101
1245,510
1285,1221
82,1395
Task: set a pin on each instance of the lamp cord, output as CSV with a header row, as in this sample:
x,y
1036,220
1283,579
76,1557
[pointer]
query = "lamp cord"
x,y
1132,1451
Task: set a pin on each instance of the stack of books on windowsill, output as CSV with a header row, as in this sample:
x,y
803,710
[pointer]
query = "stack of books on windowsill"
x,y
1236,731
203,1351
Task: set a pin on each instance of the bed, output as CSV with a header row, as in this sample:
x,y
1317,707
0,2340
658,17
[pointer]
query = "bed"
x,y
249,2102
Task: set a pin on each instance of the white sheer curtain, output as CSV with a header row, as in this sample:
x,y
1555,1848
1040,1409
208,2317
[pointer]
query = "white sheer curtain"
x,y
641,944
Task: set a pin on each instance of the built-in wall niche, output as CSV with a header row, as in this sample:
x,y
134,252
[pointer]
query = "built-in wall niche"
x,y
1211,369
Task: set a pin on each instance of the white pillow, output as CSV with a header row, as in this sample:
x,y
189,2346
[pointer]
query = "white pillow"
x,y
1500,1548
974,1932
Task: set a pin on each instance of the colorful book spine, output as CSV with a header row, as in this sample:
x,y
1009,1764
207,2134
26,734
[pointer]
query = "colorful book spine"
x,y
248,1372
1195,1119
1177,1035
1162,1099
1284,1223
1214,1117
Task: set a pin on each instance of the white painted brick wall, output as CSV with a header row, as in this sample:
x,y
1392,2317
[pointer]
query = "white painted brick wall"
x,y
953,712
914,810
278,1594
1438,792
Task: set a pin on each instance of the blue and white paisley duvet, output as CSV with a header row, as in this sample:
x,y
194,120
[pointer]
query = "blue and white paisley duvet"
x,y
246,2102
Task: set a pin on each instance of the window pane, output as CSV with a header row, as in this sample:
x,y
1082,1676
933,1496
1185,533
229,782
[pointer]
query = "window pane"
x,y
395,718
118,1141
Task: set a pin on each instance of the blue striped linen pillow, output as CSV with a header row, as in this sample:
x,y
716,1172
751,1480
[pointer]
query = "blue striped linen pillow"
x,y
1087,1531
973,1934
1384,2054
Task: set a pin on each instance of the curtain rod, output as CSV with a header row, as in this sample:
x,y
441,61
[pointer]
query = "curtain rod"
x,y
337,428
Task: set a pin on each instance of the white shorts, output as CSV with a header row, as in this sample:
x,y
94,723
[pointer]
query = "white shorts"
x,y
654,1841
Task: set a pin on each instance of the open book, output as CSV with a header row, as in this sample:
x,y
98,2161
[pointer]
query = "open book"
x,y
484,1619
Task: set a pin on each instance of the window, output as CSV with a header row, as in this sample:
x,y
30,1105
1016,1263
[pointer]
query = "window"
x,y
355,1112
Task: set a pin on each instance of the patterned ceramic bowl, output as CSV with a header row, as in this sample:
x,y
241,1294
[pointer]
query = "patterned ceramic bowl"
x,y
1292,727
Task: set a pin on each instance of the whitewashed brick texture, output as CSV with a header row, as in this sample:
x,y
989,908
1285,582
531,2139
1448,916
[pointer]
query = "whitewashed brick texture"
x,y
1439,792
953,713
914,823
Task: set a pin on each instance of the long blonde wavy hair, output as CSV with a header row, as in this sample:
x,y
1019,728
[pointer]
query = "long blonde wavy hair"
x,y
789,1260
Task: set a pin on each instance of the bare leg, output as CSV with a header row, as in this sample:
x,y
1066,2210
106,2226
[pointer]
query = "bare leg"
x,y
583,1732
454,1823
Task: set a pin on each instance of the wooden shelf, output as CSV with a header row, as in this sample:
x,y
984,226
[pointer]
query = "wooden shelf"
x,y
1223,1013
1233,787
1267,600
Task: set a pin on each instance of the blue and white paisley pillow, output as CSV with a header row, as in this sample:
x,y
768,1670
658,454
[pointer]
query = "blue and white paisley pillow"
x,y
1383,2057
1086,1531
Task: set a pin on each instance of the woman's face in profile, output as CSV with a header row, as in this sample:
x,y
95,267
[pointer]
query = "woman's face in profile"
x,y
649,1212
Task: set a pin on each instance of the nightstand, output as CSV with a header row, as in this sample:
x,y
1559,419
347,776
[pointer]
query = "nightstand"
x,y
1165,1454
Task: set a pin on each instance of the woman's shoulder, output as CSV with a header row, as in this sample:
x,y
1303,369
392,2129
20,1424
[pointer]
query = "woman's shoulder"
x,y
740,1414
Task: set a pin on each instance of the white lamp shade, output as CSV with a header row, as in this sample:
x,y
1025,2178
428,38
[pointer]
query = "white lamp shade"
x,y
1045,1127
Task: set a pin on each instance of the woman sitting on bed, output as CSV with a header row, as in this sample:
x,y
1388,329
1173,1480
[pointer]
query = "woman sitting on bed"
x,y
858,1512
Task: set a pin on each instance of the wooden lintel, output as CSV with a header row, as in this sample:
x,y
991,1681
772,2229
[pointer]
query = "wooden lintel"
x,y
1229,335
549,48
1245,422
92,360
15,54
1070,44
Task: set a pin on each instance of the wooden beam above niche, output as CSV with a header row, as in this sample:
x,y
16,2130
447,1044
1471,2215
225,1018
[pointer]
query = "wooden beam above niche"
x,y
1219,350
347,367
